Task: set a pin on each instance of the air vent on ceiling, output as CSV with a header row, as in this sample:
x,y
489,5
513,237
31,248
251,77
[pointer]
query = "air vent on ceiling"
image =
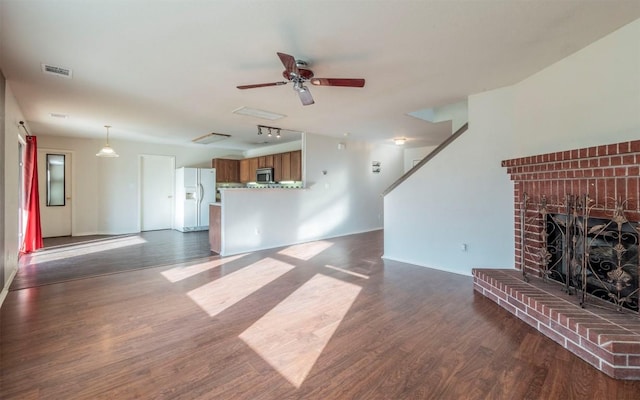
x,y
59,115
57,71
254,112
210,138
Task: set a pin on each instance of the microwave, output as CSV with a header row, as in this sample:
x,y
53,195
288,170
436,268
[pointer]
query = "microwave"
x,y
264,175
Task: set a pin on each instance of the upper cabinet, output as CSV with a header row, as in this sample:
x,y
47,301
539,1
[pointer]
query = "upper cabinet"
x,y
296,165
227,171
286,167
253,166
245,175
277,167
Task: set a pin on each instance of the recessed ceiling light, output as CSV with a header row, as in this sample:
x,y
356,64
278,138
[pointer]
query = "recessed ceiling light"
x,y
254,112
399,141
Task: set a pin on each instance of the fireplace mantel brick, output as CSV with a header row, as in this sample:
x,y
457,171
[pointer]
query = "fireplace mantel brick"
x,y
604,173
606,339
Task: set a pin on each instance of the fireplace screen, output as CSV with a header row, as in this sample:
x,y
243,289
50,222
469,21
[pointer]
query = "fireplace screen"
x,y
590,256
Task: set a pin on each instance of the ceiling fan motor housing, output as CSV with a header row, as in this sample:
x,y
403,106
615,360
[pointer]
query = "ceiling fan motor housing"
x,y
303,73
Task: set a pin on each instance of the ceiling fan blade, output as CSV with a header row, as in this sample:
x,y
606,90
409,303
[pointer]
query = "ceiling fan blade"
x,y
337,82
289,63
257,85
305,97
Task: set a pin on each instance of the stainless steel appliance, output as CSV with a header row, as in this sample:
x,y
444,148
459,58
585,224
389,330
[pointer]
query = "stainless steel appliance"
x,y
264,175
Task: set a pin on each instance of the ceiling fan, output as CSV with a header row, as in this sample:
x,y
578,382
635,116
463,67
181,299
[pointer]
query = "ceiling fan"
x,y
296,71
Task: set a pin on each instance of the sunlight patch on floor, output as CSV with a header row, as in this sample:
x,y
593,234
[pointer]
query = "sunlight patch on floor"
x,y
294,333
217,296
176,274
346,271
306,251
55,254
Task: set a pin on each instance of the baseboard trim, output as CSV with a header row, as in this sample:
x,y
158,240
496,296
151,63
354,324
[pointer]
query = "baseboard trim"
x,y
5,290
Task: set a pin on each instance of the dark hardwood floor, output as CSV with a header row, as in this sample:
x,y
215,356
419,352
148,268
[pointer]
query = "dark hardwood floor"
x,y
324,320
69,258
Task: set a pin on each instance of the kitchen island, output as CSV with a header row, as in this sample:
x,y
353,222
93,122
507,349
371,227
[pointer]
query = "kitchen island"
x,y
253,219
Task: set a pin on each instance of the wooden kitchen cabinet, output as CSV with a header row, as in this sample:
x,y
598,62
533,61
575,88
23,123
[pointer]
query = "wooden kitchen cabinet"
x,y
286,167
245,175
215,229
296,165
277,167
265,161
262,162
227,171
253,166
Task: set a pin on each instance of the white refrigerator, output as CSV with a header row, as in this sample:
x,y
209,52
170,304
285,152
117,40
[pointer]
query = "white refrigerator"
x,y
195,189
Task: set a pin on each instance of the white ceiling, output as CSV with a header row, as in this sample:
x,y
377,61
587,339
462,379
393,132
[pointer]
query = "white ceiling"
x,y
166,71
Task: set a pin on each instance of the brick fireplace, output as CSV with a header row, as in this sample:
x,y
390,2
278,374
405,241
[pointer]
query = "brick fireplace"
x,y
598,182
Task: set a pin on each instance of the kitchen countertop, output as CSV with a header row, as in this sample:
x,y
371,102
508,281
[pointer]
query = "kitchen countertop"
x,y
264,188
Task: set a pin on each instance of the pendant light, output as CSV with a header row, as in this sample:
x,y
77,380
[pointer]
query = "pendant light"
x,y
107,151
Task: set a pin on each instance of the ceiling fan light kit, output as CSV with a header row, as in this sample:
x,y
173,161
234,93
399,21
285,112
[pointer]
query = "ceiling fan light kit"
x,y
296,71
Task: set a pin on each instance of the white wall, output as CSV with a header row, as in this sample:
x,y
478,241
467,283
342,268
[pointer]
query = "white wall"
x,y
416,153
344,201
463,195
13,115
105,191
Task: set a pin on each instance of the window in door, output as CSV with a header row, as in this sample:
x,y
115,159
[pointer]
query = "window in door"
x,y
55,180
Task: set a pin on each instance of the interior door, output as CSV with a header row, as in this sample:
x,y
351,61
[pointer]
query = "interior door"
x,y
156,192
54,187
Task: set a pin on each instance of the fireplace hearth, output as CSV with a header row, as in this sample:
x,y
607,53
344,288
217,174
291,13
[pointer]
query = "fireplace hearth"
x,y
576,253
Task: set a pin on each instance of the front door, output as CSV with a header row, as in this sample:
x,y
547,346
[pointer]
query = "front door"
x,y
157,175
54,187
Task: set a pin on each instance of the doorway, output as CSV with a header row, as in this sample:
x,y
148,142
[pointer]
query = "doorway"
x,y
157,175
54,186
21,218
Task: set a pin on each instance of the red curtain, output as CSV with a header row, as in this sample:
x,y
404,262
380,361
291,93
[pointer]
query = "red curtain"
x,y
33,232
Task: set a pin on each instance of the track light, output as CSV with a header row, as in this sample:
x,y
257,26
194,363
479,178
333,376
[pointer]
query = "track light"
x,y
271,131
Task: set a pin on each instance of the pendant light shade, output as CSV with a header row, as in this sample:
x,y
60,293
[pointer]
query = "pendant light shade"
x,y
107,151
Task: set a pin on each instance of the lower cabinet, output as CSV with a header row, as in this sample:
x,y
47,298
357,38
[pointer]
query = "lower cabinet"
x,y
215,229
